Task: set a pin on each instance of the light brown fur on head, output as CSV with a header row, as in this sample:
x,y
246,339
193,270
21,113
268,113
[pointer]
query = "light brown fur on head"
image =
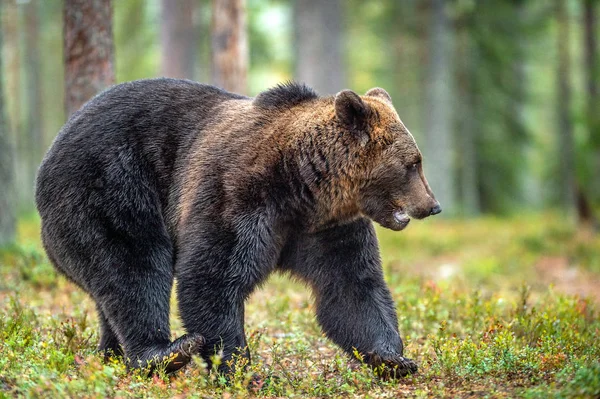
x,y
371,154
397,187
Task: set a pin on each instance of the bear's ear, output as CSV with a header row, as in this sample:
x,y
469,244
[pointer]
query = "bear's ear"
x,y
379,93
350,109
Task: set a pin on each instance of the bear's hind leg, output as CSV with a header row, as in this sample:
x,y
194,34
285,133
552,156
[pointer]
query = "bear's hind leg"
x,y
133,299
109,342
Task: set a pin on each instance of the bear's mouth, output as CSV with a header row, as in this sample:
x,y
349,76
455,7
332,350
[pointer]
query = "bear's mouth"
x,y
401,218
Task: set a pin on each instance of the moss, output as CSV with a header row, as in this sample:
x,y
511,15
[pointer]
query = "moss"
x,y
477,312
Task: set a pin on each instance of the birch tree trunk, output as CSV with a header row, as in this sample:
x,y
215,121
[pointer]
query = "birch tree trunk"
x,y
229,43
88,50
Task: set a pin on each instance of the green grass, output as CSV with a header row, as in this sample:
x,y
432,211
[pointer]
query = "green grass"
x,y
487,307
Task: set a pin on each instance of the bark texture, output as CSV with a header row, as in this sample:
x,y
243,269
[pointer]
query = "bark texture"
x,y
229,45
88,50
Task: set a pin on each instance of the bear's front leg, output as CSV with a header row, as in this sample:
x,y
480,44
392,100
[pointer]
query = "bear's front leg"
x,y
354,305
217,269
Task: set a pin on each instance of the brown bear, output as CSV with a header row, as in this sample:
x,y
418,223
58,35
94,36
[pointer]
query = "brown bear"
x,y
161,179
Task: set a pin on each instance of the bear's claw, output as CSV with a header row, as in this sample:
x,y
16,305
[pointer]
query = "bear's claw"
x,y
392,366
184,348
176,354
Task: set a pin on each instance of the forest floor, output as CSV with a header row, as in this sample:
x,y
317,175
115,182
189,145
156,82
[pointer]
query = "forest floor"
x,y
487,307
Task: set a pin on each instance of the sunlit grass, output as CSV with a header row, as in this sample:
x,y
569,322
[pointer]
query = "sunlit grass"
x,y
486,307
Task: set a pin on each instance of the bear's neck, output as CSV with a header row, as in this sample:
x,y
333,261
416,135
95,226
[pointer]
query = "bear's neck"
x,y
319,163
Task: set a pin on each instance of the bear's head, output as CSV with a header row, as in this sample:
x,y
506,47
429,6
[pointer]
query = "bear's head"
x,y
391,187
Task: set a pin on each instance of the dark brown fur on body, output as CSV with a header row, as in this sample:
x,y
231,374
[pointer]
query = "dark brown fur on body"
x,y
161,179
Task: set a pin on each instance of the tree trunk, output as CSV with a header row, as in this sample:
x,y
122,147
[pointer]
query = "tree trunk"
x,y
7,208
88,50
319,45
439,143
178,38
229,45
565,126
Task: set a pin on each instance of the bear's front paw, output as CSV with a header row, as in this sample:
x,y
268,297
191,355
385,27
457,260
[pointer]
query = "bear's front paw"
x,y
391,365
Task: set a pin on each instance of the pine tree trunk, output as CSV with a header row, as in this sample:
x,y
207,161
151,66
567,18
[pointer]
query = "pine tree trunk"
x,y
565,126
7,204
439,143
88,50
319,45
229,45
178,38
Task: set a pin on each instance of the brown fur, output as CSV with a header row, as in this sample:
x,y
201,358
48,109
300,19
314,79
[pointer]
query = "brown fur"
x,y
308,131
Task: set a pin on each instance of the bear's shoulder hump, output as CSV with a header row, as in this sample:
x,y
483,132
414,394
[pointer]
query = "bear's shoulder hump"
x,y
285,95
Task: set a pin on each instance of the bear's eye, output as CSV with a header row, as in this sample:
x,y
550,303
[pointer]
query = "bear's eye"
x,y
415,165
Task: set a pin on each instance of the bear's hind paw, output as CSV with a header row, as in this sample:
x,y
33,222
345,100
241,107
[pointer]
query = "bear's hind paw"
x,y
183,348
171,357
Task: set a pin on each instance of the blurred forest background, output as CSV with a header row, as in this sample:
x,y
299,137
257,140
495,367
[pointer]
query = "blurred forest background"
x,y
498,299
502,96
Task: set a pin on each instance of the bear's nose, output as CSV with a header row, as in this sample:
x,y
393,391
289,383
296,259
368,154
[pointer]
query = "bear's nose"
x,y
435,210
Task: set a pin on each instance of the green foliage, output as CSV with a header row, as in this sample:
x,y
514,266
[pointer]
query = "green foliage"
x,y
270,40
504,77
489,327
497,81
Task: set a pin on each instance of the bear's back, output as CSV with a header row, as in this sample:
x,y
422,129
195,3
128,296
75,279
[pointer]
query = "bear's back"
x,y
144,109
141,129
